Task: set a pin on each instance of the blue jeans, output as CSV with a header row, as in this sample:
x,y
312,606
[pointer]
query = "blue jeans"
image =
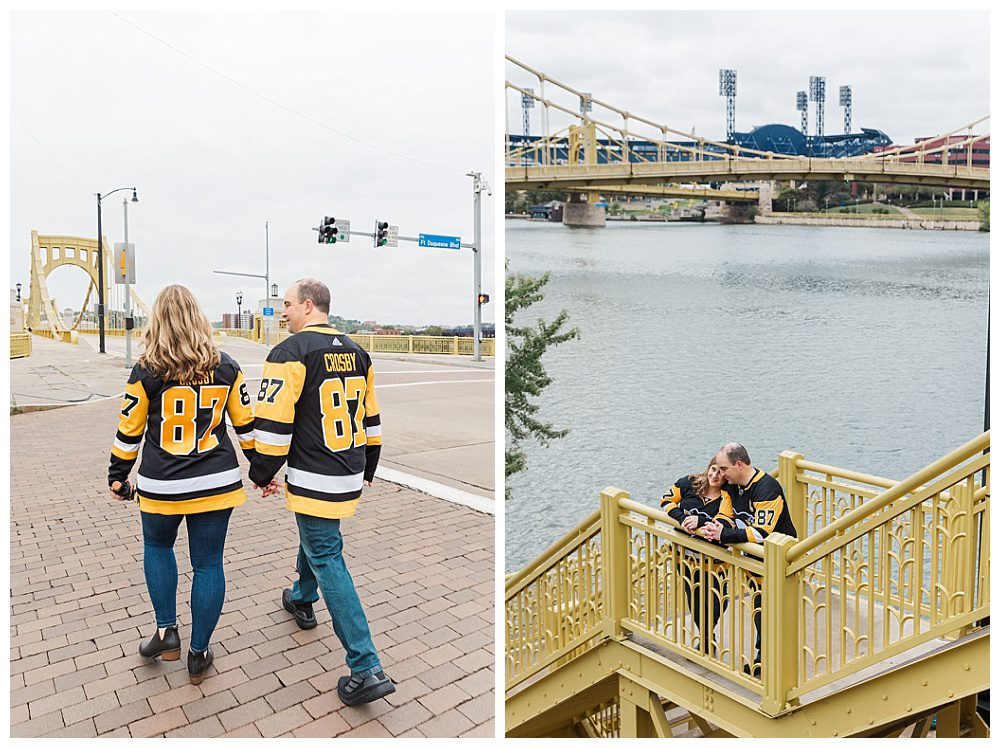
x,y
206,541
321,565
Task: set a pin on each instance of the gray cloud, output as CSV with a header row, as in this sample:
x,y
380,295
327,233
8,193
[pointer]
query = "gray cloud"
x,y
213,161
912,74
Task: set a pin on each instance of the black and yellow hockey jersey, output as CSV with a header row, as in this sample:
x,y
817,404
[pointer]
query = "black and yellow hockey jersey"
x,y
681,500
317,408
188,463
754,511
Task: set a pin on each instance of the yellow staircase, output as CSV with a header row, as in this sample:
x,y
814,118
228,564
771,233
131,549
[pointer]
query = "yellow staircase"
x,y
874,623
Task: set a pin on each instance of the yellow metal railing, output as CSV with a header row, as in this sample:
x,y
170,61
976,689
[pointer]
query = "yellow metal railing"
x,y
906,567
20,344
422,344
882,567
389,343
554,606
63,336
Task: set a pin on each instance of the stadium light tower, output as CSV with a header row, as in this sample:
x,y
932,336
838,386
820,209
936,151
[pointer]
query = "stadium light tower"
x,y
802,104
527,102
845,101
727,88
817,93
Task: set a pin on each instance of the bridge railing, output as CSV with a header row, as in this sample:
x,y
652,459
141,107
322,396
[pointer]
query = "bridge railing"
x,y
554,606
20,344
905,567
886,567
671,589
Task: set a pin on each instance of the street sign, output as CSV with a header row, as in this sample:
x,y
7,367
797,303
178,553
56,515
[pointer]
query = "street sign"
x,y
269,311
124,265
440,242
343,231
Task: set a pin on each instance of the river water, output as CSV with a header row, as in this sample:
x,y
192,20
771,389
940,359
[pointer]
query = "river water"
x,y
860,348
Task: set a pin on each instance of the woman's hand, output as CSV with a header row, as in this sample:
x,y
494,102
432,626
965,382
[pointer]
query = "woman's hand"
x,y
690,524
114,488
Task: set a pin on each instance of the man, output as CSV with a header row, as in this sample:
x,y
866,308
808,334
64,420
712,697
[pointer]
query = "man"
x,y
753,506
317,408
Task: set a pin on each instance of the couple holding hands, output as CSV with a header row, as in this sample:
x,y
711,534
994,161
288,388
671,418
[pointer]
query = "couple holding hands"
x,y
316,409
730,502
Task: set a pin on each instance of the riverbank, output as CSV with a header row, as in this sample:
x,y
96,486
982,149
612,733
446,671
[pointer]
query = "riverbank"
x,y
795,219
869,222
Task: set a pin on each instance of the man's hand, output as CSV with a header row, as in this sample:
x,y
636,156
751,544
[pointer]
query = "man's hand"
x,y
115,488
368,483
270,489
690,524
713,530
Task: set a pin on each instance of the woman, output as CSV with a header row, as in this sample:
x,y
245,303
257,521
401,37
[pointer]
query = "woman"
x,y
179,392
693,501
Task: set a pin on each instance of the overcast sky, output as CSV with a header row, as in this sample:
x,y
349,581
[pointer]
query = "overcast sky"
x,y
912,74
98,104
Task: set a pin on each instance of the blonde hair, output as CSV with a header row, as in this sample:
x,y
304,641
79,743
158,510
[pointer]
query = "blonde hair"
x,y
178,339
699,481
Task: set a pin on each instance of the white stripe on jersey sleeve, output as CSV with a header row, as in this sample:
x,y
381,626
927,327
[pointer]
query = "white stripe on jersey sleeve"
x,y
268,437
126,447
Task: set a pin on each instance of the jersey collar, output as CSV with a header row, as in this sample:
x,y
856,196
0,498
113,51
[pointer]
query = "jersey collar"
x,y
323,327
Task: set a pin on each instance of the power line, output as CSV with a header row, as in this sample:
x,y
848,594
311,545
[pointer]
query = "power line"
x,y
278,104
46,150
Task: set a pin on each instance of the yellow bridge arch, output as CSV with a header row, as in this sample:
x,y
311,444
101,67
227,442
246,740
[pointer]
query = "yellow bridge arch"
x,y
49,252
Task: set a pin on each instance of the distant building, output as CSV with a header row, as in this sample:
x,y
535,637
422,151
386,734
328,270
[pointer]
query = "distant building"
x,y
550,211
244,321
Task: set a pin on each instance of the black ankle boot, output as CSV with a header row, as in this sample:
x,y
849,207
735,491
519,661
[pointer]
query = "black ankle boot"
x,y
198,665
167,648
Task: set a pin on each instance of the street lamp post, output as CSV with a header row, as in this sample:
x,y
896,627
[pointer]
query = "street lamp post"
x,y
239,312
100,261
267,268
128,300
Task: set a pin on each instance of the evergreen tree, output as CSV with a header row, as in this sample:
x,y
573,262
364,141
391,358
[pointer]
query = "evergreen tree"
x,y
525,376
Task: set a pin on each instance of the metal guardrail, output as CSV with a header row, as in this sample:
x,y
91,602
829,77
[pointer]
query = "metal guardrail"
x,y
20,344
458,346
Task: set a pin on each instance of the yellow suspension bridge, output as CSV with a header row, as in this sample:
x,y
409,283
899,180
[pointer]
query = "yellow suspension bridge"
x,y
593,154
874,623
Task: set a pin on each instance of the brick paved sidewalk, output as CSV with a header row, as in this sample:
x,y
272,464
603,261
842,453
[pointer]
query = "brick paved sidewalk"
x,y
79,608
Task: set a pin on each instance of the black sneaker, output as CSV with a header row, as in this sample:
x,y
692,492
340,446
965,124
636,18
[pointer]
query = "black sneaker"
x,y
354,690
303,612
198,665
167,648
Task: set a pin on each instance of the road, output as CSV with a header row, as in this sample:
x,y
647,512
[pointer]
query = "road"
x,y
437,411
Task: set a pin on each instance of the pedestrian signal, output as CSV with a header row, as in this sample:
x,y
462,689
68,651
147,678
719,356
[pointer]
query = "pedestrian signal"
x,y
483,298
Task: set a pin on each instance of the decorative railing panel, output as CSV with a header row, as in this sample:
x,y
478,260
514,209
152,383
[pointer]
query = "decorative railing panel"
x,y
20,344
690,596
555,611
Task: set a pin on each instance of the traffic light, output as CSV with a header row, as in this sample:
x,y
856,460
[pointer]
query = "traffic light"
x,y
328,231
381,233
483,298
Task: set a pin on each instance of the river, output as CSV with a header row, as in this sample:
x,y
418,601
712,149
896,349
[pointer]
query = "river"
x,y
860,348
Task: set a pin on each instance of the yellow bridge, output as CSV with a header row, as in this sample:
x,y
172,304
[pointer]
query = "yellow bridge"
x,y
874,622
592,154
